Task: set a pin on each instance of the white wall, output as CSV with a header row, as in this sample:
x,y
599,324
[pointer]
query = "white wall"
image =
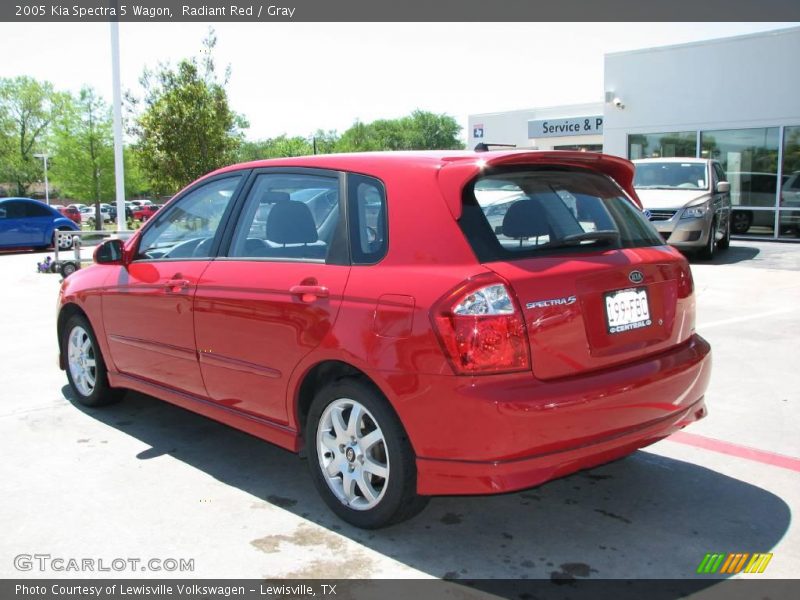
x,y
512,127
732,83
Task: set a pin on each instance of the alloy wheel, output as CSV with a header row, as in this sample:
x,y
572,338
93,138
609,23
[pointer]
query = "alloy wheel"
x,y
82,360
352,454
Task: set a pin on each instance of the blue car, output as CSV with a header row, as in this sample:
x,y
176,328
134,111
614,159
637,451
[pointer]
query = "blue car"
x,y
28,223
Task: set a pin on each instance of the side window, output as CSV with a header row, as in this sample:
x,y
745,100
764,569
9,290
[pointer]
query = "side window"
x,y
187,228
15,210
36,210
288,216
3,212
368,222
720,173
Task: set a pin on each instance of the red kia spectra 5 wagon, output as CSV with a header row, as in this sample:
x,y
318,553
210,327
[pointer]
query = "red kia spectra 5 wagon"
x,y
417,323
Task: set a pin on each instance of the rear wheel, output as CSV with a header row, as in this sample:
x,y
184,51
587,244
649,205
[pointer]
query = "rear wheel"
x,y
707,253
360,458
741,221
86,370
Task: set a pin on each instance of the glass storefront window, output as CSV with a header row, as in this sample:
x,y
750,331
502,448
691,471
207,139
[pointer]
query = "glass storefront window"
x,y
661,145
789,218
581,147
750,160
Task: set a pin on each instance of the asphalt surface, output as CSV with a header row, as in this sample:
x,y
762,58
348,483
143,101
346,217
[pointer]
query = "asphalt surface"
x,y
143,479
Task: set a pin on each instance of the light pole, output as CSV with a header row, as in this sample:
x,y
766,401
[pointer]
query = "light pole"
x,y
46,186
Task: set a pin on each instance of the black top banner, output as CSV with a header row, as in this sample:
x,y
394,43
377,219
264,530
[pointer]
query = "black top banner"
x,y
71,11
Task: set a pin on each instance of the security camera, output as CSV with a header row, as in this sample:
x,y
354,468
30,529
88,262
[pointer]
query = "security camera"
x,y
619,103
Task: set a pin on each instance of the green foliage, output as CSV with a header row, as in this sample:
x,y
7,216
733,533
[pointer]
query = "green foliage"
x,y
187,127
419,131
83,143
278,147
27,108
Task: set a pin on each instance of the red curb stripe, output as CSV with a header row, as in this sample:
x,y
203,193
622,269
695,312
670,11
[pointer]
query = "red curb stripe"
x,y
761,456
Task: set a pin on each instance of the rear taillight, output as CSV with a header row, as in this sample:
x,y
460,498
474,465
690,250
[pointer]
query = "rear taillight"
x,y
482,329
685,281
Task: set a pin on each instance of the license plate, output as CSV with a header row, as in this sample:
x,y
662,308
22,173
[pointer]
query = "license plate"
x,y
627,310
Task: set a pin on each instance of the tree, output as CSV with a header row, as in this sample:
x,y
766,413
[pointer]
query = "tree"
x,y
83,160
187,128
27,108
279,147
429,131
421,130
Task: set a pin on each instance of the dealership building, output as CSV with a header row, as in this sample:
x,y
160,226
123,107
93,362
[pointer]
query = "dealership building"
x,y
736,100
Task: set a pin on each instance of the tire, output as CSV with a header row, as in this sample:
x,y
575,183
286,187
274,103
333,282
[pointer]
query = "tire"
x,y
741,221
707,253
725,242
68,268
144,219
88,382
384,473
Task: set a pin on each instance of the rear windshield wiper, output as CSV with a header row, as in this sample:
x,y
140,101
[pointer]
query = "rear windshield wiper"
x,y
603,235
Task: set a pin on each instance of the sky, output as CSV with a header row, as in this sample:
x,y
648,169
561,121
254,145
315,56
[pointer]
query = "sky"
x,y
294,78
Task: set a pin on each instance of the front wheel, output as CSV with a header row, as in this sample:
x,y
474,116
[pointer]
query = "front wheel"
x,y
360,458
725,242
707,253
86,370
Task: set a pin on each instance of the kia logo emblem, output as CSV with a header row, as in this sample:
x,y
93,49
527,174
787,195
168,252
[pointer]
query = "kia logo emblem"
x,y
636,277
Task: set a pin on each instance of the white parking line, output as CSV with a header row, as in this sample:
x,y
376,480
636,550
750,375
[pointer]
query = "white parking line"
x,y
777,311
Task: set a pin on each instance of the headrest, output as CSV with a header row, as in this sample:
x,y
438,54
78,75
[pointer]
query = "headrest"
x,y
274,197
525,219
291,223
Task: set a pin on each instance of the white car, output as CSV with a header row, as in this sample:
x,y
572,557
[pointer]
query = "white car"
x,y
88,214
135,203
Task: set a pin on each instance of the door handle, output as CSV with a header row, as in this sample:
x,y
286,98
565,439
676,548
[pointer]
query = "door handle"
x,y
176,285
309,293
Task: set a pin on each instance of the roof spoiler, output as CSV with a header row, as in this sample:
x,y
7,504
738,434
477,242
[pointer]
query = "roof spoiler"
x,y
455,174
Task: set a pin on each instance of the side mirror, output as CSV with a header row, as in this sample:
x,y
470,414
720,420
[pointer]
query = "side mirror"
x,y
109,252
723,187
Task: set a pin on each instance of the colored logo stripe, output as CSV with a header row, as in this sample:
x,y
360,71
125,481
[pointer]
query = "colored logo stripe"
x,y
733,563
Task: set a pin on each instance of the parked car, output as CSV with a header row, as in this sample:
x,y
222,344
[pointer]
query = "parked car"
x,y
28,223
406,345
112,211
70,212
140,202
88,214
143,212
688,200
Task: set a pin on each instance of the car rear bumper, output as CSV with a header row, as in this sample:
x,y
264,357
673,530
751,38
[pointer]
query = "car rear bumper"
x,y
517,432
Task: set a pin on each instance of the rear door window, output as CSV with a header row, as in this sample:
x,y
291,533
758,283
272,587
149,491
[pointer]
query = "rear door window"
x,y
288,216
526,213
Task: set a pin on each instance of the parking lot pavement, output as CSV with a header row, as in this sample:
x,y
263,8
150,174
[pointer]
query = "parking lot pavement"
x,y
144,479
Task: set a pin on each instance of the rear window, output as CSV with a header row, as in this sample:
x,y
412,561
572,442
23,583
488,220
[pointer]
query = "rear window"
x,y
535,212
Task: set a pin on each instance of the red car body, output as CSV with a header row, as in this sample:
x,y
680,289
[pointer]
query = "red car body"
x,y
70,212
144,212
246,342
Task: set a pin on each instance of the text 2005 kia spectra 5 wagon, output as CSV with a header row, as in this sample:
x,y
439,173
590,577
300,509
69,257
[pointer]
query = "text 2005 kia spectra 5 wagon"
x,y
419,323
